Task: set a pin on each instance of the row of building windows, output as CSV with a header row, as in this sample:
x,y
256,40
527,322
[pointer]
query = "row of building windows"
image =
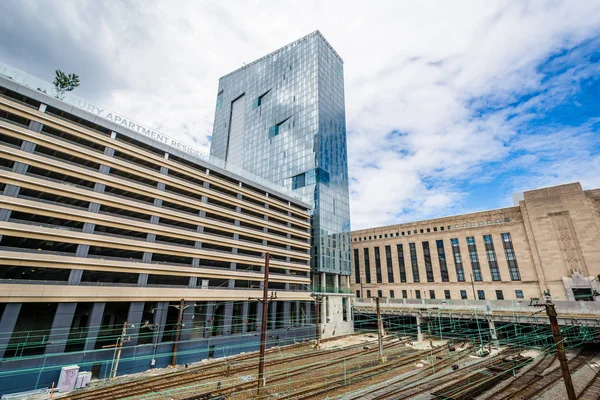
x,y
145,163
473,257
425,230
418,294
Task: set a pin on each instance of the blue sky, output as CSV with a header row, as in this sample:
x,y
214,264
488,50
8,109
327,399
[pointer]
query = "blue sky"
x,y
451,106
565,108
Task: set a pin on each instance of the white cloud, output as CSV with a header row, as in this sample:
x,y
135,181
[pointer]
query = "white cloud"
x,y
416,68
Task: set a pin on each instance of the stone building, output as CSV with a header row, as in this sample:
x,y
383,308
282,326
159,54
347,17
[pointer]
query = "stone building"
x,y
548,241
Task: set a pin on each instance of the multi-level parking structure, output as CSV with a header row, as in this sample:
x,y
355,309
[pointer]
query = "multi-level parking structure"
x,y
100,225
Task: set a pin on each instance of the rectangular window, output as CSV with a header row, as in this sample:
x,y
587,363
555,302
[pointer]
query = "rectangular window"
x,y
404,294
259,100
356,266
275,129
432,294
368,294
367,267
447,294
388,261
298,181
442,259
379,293
474,258
463,295
414,262
377,265
418,294
491,256
401,263
460,271
392,295
511,258
519,294
428,266
499,295
481,295
358,294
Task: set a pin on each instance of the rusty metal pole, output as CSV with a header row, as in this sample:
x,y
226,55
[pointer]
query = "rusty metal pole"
x,y
119,348
379,330
560,350
263,330
177,333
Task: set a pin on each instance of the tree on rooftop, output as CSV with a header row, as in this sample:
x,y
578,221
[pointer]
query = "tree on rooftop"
x,y
64,83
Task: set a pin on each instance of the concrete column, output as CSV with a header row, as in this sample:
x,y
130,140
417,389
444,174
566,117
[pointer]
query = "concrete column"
x,y
493,333
7,325
228,318
324,308
208,327
200,228
19,168
160,319
420,335
143,279
187,321
236,237
336,285
61,325
323,282
134,317
348,309
286,314
76,274
245,307
94,325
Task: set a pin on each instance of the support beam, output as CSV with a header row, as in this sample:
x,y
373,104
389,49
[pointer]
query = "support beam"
x,y
493,333
94,325
420,335
7,325
61,326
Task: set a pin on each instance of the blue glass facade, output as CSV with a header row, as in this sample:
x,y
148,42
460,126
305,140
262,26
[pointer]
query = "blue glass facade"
x,y
282,117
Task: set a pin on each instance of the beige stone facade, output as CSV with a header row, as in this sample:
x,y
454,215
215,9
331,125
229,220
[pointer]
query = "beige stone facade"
x,y
554,233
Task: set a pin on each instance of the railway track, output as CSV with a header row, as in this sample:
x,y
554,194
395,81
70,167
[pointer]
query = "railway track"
x,y
219,369
537,383
418,387
481,381
592,389
356,375
526,378
275,378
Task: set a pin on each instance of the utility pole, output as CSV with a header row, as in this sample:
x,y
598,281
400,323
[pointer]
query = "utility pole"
x,y
119,348
473,287
379,330
560,350
558,341
181,307
263,332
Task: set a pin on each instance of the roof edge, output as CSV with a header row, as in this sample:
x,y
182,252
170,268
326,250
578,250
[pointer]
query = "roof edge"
x,y
315,33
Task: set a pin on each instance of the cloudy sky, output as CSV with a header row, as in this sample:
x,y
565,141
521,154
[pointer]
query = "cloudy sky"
x,y
451,106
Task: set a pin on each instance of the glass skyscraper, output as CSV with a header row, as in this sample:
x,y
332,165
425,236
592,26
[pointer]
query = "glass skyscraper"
x,y
282,117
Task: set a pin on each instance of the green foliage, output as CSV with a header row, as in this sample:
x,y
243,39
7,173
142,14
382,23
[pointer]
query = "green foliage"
x,y
64,83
